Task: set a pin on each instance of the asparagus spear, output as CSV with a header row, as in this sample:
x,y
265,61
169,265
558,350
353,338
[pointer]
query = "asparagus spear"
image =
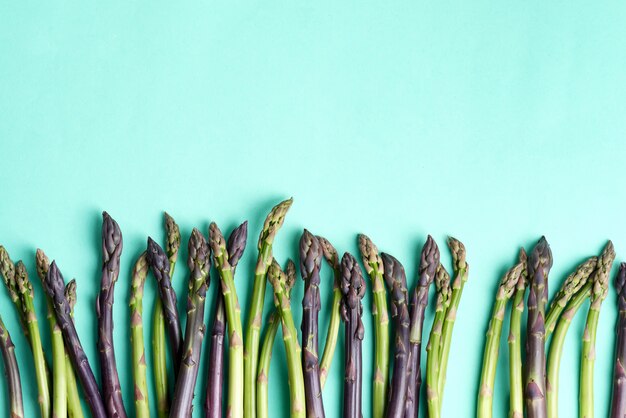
x,y
233,318
599,290
199,262
160,267
310,264
353,290
419,300
490,358
273,222
539,265
273,322
460,277
158,323
516,380
111,252
140,271
278,279
374,268
12,373
330,254
213,405
618,402
396,282
573,283
74,407
442,283
27,296
7,269
55,288
59,401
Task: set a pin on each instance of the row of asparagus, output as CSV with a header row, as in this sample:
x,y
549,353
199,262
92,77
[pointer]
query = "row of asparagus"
x,y
396,390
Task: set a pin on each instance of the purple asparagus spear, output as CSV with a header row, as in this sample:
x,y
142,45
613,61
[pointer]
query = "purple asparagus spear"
x,y
618,403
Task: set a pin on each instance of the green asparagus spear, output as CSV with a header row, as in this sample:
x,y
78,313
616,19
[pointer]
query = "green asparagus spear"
x,y
140,271
74,407
516,380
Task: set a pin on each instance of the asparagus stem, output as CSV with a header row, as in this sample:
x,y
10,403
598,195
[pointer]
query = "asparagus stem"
x,y
160,267
599,290
74,407
570,287
330,254
267,346
461,267
140,271
199,262
442,283
516,379
111,252
12,373
233,317
490,358
59,401
419,300
395,278
278,279
374,268
273,222
55,288
539,264
618,402
25,290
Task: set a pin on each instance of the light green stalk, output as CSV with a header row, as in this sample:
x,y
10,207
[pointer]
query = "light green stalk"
x,y
59,401
374,268
235,407
273,222
25,290
516,379
74,407
490,357
460,278
599,290
330,254
140,271
290,338
442,283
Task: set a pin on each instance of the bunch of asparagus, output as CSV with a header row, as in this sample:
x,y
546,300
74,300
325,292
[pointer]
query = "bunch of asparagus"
x,y
398,313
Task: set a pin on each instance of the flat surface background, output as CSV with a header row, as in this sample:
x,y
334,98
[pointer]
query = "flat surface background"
x,y
495,123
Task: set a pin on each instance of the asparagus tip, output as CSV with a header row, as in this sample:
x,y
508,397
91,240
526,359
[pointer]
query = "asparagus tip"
x,y
237,243
458,253
330,253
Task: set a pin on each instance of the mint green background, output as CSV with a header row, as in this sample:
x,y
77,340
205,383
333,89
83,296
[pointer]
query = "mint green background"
x,y
494,122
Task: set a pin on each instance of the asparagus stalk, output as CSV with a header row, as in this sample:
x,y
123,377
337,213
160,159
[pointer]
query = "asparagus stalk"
x,y
374,268
59,401
490,358
140,271
111,252
539,264
618,402
7,270
273,222
419,300
395,278
273,322
442,284
278,279
460,278
233,317
27,296
159,349
573,283
55,288
74,407
330,254
516,380
310,264
199,262
215,378
12,373
599,290
160,267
